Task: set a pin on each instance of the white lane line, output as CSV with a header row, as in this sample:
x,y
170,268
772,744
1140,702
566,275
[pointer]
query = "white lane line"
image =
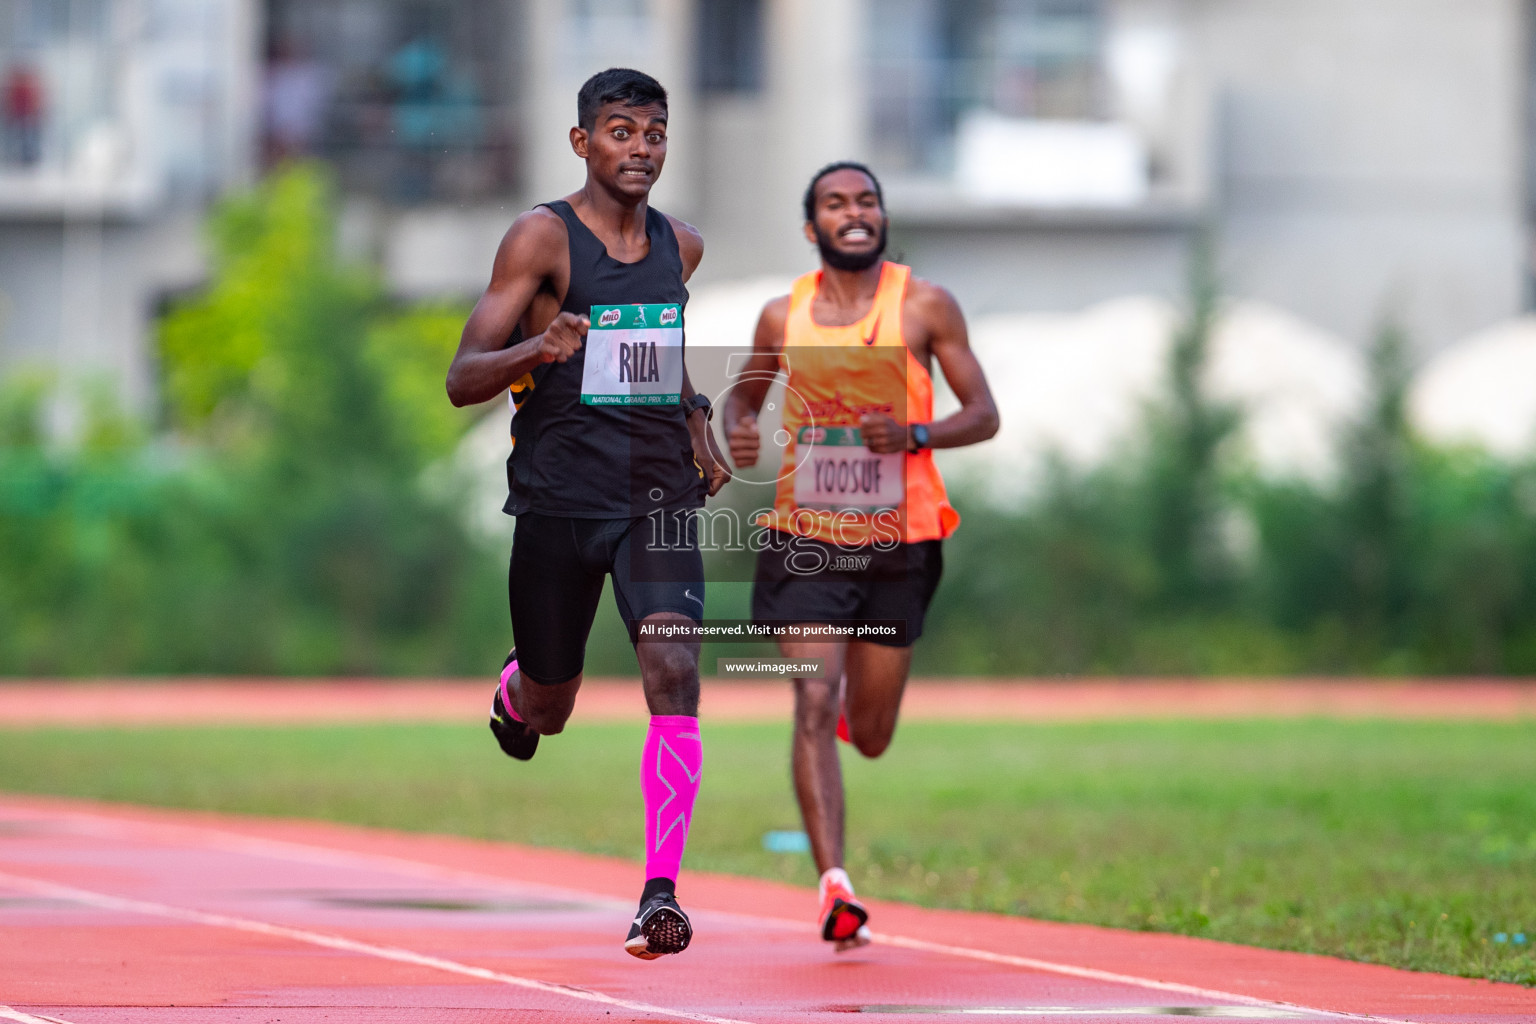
x,y
7,1013
1094,974
289,850
105,901
304,853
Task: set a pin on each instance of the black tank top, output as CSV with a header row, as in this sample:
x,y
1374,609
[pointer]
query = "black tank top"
x,y
596,461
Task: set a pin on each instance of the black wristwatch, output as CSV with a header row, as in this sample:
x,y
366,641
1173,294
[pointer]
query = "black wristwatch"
x,y
695,403
919,437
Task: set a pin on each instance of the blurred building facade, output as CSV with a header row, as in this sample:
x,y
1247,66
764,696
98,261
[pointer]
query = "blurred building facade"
x,y
121,120
1351,157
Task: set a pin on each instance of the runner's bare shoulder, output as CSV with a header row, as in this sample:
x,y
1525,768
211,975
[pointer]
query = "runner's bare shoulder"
x,y
931,303
930,315
769,336
690,243
536,242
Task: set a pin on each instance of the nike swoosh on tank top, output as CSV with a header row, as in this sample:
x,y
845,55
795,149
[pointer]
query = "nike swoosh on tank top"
x,y
600,461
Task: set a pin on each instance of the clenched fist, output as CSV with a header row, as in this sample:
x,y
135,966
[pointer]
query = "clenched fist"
x,y
562,337
882,434
744,441
710,462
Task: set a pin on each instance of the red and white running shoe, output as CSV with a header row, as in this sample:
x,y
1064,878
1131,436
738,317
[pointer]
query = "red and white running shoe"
x,y
843,917
862,937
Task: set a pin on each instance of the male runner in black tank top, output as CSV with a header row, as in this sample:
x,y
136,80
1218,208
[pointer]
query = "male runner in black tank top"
x,y
586,477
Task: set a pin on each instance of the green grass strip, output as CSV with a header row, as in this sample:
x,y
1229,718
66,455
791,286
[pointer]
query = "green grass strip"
x,y
1411,844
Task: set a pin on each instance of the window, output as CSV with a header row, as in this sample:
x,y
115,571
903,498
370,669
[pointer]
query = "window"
x,y
730,42
934,61
60,82
408,99
121,103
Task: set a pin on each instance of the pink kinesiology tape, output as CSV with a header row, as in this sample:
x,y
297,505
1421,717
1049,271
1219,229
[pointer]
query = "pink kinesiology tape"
x,y
669,779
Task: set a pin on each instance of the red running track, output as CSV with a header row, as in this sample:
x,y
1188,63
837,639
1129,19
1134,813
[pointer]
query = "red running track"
x,y
125,914
28,704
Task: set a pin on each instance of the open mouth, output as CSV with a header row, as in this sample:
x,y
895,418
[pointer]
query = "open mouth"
x,y
635,172
856,233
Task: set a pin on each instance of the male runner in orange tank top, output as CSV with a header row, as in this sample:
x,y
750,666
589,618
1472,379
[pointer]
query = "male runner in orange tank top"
x,y
859,510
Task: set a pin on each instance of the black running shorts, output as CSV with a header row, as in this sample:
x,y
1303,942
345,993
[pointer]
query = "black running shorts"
x,y
556,581
800,580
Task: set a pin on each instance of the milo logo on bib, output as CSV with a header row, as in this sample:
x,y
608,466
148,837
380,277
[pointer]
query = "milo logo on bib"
x,y
634,355
835,471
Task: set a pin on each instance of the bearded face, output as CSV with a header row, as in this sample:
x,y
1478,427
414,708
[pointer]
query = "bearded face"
x,y
849,247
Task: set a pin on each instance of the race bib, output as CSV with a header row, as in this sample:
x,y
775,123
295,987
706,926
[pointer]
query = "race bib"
x,y
634,356
835,471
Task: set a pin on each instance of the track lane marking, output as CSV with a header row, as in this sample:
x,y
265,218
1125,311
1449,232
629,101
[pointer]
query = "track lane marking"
x,y
1094,974
304,852
106,901
8,1013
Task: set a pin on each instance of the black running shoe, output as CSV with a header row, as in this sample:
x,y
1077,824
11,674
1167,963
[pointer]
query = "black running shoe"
x,y
660,927
516,738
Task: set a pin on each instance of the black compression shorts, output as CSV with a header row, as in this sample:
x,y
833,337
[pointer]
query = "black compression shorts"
x,y
556,581
800,580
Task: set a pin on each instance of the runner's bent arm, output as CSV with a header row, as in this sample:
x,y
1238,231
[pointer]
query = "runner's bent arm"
x,y
931,313
690,248
706,450
950,344
757,376
485,365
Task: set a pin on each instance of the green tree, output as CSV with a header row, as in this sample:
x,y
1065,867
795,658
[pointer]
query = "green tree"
x,y
295,356
1375,509
286,525
1186,428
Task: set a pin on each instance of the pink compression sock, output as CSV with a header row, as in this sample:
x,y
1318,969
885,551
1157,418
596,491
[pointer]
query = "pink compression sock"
x,y
506,695
669,778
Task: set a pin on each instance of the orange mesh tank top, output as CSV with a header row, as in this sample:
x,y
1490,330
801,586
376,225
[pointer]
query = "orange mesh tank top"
x,y
831,487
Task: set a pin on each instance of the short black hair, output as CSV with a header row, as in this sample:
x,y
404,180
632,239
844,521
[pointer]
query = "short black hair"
x,y
616,85
840,165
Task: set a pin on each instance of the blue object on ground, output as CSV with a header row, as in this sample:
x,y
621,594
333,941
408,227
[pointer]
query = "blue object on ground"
x,y
786,842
